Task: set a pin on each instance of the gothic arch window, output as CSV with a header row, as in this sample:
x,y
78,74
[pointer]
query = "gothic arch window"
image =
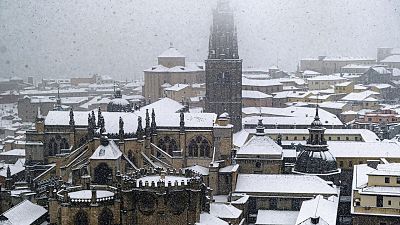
x,y
193,148
81,218
53,147
106,217
64,144
172,147
130,156
168,145
102,174
199,147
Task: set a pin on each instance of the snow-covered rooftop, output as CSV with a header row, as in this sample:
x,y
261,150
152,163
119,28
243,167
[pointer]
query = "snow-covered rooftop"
x,y
254,94
25,213
373,150
189,67
283,183
198,169
332,105
277,217
208,219
356,66
324,209
311,73
260,145
380,70
171,52
260,83
391,59
177,87
224,211
167,179
87,194
291,94
359,96
289,115
110,151
327,78
390,169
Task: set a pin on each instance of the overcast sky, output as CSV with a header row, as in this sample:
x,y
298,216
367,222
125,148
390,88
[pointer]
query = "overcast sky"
x,y
121,38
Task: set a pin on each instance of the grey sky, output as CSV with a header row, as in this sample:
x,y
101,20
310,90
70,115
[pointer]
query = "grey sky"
x,y
121,38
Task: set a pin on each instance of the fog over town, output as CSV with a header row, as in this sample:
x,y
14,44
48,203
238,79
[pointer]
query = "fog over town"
x,y
121,38
200,112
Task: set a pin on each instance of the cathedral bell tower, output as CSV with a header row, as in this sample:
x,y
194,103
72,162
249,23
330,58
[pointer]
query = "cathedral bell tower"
x,y
223,67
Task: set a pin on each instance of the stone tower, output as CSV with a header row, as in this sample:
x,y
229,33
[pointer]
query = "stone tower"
x,y
223,67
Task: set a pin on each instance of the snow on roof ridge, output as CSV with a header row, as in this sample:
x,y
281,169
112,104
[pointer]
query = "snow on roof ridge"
x,y
171,52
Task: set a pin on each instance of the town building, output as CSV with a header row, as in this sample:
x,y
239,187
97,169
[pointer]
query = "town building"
x,y
171,69
330,65
324,82
223,67
315,157
375,194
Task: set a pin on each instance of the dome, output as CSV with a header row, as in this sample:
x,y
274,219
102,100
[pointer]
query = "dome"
x,y
319,162
119,101
118,105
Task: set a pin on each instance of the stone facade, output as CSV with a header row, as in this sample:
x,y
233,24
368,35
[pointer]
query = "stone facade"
x,y
224,68
143,197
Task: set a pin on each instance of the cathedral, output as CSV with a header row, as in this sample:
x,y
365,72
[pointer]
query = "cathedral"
x,y
116,162
223,67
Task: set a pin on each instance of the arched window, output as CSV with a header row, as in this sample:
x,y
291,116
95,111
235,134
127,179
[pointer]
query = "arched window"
x,y
205,149
81,218
199,147
53,147
130,156
193,148
106,217
168,145
172,147
102,174
64,144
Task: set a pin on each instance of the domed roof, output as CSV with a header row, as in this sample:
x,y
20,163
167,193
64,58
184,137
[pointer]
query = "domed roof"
x,y
119,101
316,162
315,157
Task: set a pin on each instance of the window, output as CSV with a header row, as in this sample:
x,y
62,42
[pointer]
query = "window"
x,y
273,203
304,138
356,138
350,164
347,138
330,138
258,164
199,147
379,201
338,138
295,138
360,162
296,204
389,202
341,164
398,180
387,180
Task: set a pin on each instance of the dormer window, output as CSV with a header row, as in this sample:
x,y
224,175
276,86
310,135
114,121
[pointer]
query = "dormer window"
x,y
102,152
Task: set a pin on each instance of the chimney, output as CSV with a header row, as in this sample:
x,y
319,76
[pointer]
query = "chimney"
x,y
373,163
315,220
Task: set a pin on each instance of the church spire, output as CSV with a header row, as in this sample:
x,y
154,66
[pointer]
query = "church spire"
x,y
223,37
57,106
71,117
121,129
